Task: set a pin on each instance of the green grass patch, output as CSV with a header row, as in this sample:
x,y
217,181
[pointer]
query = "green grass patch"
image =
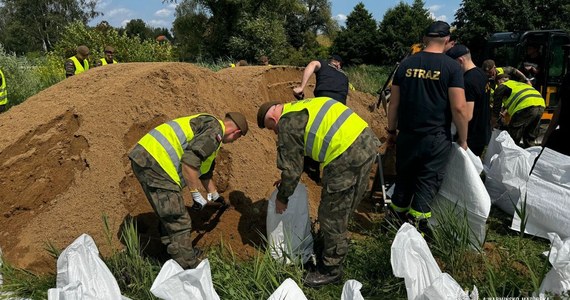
x,y
508,265
368,78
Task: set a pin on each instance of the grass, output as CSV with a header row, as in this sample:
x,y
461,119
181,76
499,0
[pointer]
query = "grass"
x,y
368,78
509,265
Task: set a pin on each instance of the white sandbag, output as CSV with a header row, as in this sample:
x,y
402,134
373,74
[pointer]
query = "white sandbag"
x,y
463,190
547,197
444,288
507,168
289,234
351,290
173,282
412,260
557,280
288,290
81,274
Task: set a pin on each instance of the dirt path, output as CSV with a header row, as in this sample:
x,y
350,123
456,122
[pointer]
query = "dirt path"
x,y
63,155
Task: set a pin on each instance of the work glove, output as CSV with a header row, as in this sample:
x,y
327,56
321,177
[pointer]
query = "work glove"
x,y
199,201
214,196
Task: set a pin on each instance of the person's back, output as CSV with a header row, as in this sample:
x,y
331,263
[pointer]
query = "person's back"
x,y
424,80
331,82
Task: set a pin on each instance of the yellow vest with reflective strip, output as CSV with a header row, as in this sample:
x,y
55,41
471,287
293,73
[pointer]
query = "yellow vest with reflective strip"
x,y
522,96
166,144
104,61
331,129
500,71
79,68
3,91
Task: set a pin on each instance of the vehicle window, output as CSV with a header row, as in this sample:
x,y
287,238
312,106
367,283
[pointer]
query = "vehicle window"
x,y
556,68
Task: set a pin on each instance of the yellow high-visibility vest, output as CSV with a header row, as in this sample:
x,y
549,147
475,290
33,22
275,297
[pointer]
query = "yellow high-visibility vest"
x,y
104,61
80,68
500,71
522,96
3,90
331,129
166,144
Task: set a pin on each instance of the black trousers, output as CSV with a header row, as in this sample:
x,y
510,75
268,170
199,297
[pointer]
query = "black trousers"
x,y
420,167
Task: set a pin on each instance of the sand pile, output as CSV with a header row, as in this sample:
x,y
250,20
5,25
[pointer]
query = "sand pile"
x,y
63,155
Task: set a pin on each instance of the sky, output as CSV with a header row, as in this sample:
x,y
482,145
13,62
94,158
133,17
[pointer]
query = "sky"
x,y
155,13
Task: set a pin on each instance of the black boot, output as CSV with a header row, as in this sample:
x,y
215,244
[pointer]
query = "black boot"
x,y
323,276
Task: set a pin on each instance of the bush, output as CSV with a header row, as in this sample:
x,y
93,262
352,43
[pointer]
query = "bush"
x,y
129,49
26,77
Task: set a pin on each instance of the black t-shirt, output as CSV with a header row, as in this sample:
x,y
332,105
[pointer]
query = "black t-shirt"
x,y
477,90
330,79
424,80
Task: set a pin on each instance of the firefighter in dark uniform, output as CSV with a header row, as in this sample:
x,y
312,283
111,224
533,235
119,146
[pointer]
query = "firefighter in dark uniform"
x,y
78,63
477,95
344,145
331,80
427,94
176,154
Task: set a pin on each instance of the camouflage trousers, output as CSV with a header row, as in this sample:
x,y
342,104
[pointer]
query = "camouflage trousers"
x,y
175,221
345,181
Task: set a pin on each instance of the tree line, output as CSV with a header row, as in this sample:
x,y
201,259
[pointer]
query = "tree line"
x,y
286,31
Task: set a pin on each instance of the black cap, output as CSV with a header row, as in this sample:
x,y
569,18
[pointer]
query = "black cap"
x,y
263,111
457,51
438,29
337,58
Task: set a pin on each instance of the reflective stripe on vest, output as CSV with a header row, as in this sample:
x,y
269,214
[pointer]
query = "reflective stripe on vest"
x,y
3,90
522,96
79,68
104,61
500,71
332,127
166,144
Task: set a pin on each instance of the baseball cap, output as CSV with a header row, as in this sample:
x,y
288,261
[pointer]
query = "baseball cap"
x,y
438,29
263,111
240,121
457,51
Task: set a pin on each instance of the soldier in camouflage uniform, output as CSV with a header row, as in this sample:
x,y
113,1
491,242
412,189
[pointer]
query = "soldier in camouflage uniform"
x,y
342,142
178,153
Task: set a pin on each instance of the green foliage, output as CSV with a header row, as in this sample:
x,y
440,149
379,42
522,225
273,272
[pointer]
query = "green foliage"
x,y
21,283
26,77
134,272
477,19
367,78
257,37
402,26
248,29
357,43
36,24
128,49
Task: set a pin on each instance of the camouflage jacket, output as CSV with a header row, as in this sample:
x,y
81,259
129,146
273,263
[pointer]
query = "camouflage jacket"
x,y
290,151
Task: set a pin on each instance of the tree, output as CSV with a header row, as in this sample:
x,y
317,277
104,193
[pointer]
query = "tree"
x,y
402,27
249,28
356,43
38,23
477,19
137,27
